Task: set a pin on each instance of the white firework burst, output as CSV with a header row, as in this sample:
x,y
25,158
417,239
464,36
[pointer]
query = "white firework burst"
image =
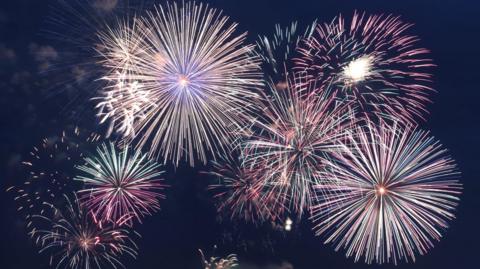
x,y
388,195
200,75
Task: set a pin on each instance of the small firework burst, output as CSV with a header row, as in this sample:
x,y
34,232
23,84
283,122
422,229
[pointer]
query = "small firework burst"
x,y
277,51
77,240
50,169
292,140
124,100
199,74
388,195
73,26
119,185
242,195
229,262
372,61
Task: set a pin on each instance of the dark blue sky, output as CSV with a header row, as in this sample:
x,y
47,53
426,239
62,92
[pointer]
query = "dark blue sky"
x,y
31,110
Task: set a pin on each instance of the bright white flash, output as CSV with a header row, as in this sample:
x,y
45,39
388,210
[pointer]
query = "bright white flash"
x,y
358,69
288,224
183,81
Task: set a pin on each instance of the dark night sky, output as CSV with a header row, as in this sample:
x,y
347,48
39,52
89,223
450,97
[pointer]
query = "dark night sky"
x,y
31,110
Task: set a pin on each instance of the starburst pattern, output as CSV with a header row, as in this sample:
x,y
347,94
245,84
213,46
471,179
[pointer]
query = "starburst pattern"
x,y
241,194
388,195
292,140
119,185
76,240
374,61
201,76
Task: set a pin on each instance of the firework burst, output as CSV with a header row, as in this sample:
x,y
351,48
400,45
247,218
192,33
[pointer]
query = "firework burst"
x,y
50,168
120,186
388,195
124,100
73,28
78,241
373,61
229,262
199,74
292,140
242,194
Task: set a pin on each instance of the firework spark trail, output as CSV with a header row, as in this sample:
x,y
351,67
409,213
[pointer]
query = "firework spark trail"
x,y
201,77
293,138
276,51
77,240
120,186
373,61
242,195
390,194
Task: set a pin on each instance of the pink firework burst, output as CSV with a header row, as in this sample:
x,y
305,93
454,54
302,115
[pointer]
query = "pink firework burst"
x,y
120,186
388,195
372,60
74,239
241,193
291,141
